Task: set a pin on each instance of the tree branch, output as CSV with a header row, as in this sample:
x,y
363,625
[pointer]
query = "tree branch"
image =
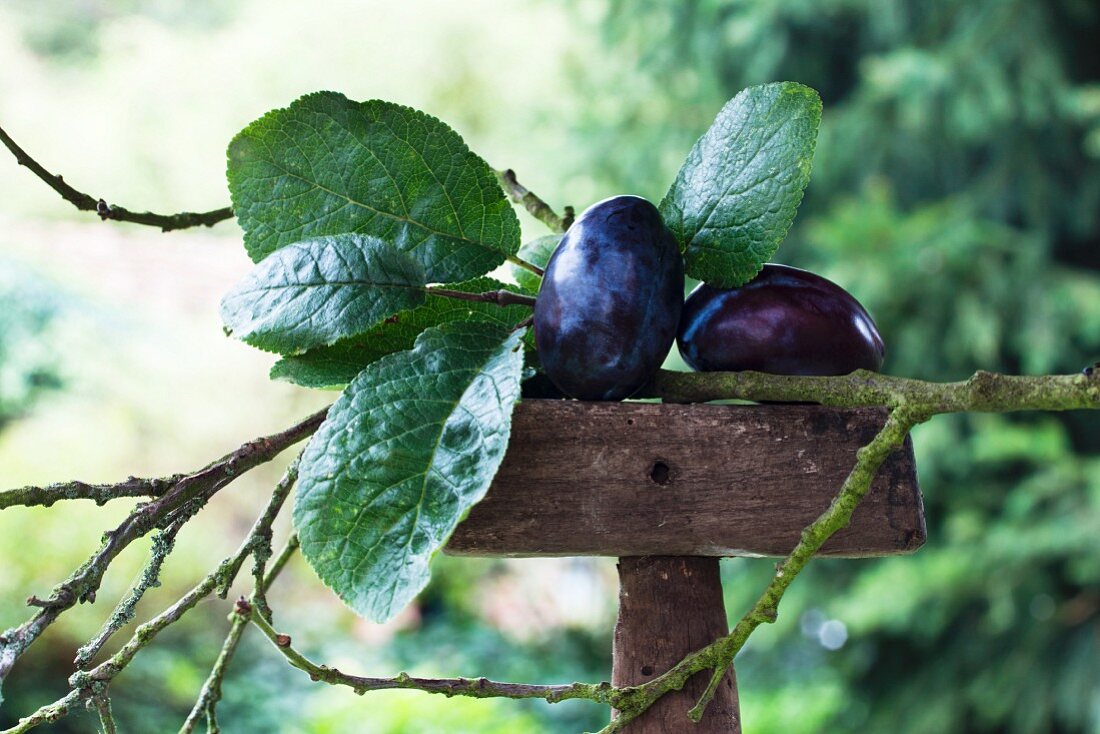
x,y
500,298
87,203
163,543
538,208
983,392
196,488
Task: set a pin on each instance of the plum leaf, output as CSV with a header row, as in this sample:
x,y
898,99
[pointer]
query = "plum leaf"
x,y
737,193
316,292
410,446
327,165
338,364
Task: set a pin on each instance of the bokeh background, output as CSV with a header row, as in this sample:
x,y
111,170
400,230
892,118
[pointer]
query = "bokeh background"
x,y
956,193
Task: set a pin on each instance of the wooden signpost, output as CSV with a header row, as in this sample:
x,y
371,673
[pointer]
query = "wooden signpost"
x,y
668,490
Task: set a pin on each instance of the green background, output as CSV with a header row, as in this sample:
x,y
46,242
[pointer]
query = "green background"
x,y
956,193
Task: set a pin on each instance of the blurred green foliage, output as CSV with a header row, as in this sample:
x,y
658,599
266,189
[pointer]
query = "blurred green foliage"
x,y
30,361
956,192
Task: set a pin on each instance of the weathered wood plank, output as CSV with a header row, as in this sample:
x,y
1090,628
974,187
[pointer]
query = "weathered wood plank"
x,y
634,479
669,607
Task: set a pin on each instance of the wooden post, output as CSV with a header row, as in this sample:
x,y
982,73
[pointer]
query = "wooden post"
x,y
668,489
654,591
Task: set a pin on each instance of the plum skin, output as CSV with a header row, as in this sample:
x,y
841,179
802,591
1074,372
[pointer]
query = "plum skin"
x,y
610,301
785,321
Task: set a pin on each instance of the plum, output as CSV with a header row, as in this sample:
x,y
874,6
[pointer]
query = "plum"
x,y
785,321
610,300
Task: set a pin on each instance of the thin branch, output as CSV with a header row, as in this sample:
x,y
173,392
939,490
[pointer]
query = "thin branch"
x,y
106,717
520,262
500,298
198,487
206,705
87,203
471,687
260,534
983,392
538,208
91,683
163,543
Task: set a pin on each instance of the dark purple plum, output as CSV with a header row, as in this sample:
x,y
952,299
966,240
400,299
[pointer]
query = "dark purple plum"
x,y
785,321
610,300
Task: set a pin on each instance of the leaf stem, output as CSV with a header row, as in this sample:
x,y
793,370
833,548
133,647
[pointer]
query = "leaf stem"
x,y
500,298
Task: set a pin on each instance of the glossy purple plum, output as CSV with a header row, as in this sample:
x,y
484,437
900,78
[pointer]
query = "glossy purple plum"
x,y
610,300
785,321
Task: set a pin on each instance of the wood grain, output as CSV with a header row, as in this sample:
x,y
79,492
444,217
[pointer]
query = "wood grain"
x,y
669,607
635,479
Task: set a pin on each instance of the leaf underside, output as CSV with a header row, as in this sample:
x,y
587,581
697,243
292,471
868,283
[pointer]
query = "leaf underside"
x,y
327,165
410,446
739,189
537,252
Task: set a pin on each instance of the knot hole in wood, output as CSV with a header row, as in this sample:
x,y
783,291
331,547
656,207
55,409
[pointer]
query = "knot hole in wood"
x,y
660,473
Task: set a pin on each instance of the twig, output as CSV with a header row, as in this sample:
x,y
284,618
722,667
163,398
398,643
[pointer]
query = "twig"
x,y
106,717
198,487
471,687
87,203
500,298
101,494
260,534
538,208
207,702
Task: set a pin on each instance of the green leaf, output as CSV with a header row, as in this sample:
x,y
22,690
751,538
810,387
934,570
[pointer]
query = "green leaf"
x,y
408,448
318,291
338,364
737,193
328,165
537,252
